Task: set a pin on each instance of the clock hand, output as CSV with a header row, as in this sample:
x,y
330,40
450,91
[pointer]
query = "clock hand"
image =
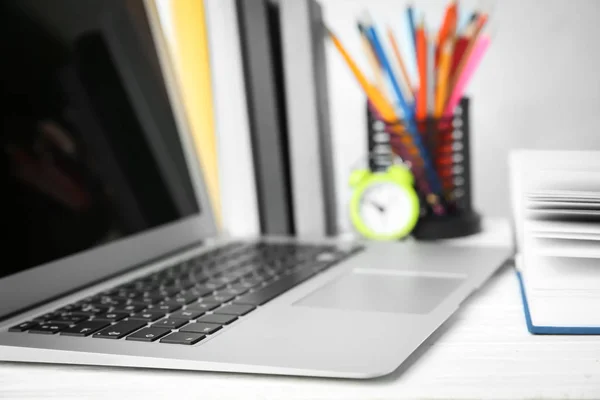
x,y
377,206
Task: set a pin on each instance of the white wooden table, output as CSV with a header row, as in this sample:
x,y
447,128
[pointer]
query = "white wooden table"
x,y
483,351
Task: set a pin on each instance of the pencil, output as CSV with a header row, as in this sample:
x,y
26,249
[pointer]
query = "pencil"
x,y
388,114
407,111
478,52
473,33
379,101
464,23
367,23
448,28
372,58
398,55
430,74
422,67
410,15
443,76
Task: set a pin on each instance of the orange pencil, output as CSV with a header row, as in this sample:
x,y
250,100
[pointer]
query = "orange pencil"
x,y
448,28
421,39
442,79
398,55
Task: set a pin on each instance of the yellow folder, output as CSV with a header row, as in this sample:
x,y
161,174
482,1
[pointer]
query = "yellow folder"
x,y
188,43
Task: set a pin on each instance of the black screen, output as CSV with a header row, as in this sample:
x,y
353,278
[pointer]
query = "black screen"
x,y
90,152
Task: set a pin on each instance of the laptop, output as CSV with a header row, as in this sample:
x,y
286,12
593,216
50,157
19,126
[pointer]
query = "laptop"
x,y
111,255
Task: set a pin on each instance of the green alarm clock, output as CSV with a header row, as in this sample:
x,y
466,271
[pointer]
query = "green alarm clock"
x,y
384,205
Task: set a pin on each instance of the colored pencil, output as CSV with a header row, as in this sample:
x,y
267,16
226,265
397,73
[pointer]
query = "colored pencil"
x,y
373,61
373,36
400,61
474,31
384,108
464,22
478,52
431,78
407,111
443,76
410,16
422,67
448,28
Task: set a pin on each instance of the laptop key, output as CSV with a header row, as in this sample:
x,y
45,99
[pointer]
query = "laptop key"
x,y
186,314
81,314
235,309
232,291
267,293
200,291
249,282
149,316
85,328
166,308
213,285
240,287
120,329
188,338
150,299
22,327
173,305
111,316
130,308
218,298
48,329
219,319
203,306
45,317
169,291
184,298
144,301
93,308
170,323
68,319
148,334
200,327
109,301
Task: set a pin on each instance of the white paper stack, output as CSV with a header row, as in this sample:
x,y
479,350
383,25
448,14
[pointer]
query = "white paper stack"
x,y
556,204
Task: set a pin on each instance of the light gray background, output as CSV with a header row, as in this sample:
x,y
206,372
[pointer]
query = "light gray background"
x,y
537,87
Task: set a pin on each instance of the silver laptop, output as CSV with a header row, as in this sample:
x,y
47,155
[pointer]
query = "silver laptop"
x,y
110,253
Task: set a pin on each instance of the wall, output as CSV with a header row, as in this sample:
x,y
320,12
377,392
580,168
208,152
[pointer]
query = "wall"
x,y
538,86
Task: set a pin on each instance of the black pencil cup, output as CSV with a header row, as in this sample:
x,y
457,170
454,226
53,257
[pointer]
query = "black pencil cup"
x,y
447,142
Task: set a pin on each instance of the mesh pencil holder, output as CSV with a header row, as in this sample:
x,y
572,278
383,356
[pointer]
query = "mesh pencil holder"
x,y
447,143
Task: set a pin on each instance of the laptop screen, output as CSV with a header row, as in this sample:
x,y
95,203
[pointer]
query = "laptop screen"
x,y
90,151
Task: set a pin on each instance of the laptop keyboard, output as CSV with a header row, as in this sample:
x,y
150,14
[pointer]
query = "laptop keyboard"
x,y
185,303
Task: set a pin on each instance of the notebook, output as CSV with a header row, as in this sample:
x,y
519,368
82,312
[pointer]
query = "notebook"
x,y
556,208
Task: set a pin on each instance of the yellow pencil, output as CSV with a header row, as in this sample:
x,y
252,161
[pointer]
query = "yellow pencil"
x,y
442,79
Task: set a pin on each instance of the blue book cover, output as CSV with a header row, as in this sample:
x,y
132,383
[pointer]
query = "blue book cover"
x,y
551,330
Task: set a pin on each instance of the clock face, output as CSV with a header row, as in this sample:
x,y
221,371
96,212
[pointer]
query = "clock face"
x,y
385,208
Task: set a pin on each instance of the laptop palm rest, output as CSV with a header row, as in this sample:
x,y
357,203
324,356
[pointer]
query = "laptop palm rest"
x,y
382,291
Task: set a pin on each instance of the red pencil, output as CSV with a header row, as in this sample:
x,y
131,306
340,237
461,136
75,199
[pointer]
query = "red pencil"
x,y
473,32
460,46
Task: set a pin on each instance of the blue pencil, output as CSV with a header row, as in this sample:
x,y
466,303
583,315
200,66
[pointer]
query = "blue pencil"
x,y
387,67
407,111
410,15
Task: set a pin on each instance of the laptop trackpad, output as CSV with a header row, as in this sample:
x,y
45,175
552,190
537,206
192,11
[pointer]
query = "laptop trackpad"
x,y
380,291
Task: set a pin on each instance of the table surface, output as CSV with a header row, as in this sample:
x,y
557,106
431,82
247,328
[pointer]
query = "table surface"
x,y
483,351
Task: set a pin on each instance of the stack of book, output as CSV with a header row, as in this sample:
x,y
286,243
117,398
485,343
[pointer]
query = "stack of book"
x,y
556,201
252,76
